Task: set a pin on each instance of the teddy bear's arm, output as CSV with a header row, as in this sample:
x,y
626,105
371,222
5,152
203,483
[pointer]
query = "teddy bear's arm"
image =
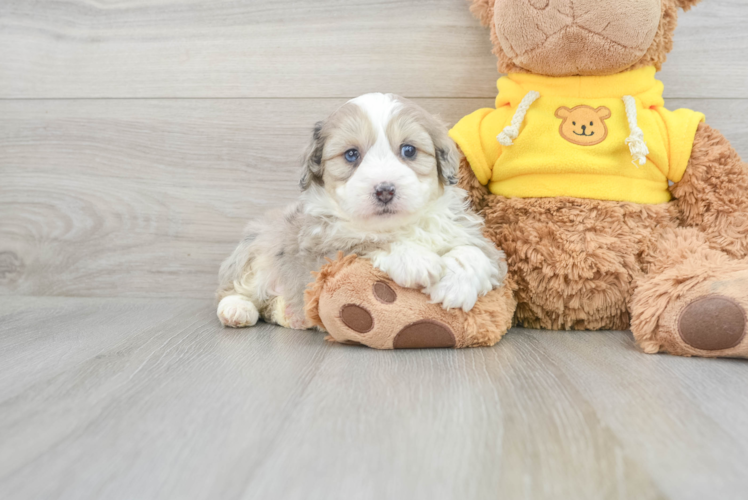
x,y
359,304
477,192
713,193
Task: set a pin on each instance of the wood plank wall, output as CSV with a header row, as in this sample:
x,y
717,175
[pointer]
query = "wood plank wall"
x,y
137,138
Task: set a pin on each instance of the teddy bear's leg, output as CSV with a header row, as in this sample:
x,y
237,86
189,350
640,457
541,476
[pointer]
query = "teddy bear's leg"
x,y
358,304
693,299
711,196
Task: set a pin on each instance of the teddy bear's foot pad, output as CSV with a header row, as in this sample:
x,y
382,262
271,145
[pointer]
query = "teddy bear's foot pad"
x,y
712,323
356,318
357,304
427,333
699,313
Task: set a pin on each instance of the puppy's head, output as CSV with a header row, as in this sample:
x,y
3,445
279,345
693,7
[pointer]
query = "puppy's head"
x,y
380,157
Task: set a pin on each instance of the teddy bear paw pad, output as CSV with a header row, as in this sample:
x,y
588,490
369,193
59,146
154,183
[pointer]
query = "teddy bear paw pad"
x,y
356,318
384,292
712,323
427,333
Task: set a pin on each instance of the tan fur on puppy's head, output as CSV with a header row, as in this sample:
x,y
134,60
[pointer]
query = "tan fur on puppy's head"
x,y
380,157
579,37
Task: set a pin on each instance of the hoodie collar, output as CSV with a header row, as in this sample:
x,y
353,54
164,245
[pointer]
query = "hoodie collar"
x,y
640,83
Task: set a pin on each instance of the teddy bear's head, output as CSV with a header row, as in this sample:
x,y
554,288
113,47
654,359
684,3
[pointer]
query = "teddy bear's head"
x,y
579,37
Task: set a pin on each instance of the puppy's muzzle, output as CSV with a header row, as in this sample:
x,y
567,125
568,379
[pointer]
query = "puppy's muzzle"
x,y
384,192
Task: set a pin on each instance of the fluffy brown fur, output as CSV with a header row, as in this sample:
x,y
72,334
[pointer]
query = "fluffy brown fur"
x,y
574,269
589,264
712,194
683,268
575,262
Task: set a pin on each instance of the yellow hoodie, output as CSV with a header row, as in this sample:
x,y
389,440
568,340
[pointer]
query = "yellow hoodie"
x,y
598,137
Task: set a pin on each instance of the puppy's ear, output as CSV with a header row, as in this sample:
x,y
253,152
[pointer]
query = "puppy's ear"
x,y
312,168
483,10
445,150
447,159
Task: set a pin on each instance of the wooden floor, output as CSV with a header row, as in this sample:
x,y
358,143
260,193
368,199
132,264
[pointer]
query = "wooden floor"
x,y
137,138
142,398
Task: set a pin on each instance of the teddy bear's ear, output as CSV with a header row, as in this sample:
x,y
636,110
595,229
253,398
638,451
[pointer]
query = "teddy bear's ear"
x,y
563,112
686,4
603,112
483,10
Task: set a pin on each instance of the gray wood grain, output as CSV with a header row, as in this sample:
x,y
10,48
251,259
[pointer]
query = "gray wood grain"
x,y
148,397
297,48
137,398
144,198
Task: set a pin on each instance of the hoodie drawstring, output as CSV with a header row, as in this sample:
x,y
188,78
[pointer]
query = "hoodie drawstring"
x,y
635,141
511,132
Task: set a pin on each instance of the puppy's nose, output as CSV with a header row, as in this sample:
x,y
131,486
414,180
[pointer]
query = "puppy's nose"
x,y
584,127
385,192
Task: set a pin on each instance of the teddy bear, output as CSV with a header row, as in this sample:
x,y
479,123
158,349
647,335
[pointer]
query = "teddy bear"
x,y
613,211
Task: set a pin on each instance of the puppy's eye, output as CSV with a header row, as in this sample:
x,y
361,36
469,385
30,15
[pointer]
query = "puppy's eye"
x,y
592,124
573,123
352,155
408,151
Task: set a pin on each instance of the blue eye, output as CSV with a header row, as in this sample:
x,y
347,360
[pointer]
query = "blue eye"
x,y
408,151
352,156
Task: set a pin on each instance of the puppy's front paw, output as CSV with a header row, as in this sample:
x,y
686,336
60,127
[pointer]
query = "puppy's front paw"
x,y
411,267
453,291
237,311
463,282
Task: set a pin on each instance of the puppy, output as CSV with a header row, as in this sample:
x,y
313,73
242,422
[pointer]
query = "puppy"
x,y
378,181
